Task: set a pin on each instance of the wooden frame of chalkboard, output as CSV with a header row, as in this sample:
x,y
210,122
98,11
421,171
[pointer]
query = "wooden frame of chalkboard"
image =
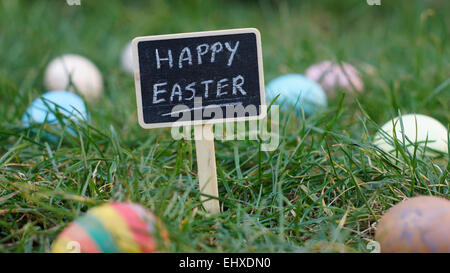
x,y
157,58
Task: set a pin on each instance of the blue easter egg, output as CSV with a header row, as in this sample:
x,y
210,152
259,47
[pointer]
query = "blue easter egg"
x,y
298,92
43,108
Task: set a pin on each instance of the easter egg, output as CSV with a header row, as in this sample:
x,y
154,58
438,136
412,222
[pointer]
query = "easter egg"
x,y
113,228
126,59
419,224
333,77
74,73
43,109
427,129
298,92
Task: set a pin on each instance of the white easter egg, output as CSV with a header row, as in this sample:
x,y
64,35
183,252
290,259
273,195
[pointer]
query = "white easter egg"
x,y
83,75
416,129
126,59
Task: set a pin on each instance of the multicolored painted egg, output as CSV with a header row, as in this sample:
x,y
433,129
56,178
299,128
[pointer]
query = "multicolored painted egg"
x,y
419,224
333,77
298,92
74,73
417,128
113,228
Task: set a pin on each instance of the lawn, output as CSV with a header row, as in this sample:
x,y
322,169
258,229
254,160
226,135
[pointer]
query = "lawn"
x,y
322,190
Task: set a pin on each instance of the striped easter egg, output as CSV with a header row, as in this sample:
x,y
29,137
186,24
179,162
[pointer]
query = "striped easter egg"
x,y
113,228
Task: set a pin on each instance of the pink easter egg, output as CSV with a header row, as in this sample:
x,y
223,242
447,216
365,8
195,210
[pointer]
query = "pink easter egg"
x,y
333,77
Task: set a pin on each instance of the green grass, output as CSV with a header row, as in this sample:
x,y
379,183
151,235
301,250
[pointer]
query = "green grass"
x,y
323,189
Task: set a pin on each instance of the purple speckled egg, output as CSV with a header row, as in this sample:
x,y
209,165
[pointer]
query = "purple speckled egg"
x,y
417,225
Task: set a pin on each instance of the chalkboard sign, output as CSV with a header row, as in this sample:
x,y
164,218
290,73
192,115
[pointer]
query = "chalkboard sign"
x,y
199,78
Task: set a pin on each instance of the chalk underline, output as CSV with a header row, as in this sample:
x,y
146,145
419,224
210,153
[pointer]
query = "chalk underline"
x,y
202,107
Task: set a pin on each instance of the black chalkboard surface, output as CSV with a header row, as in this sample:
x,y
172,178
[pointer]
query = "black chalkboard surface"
x,y
197,78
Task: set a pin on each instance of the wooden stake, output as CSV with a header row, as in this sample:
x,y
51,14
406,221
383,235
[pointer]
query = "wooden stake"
x,y
206,162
